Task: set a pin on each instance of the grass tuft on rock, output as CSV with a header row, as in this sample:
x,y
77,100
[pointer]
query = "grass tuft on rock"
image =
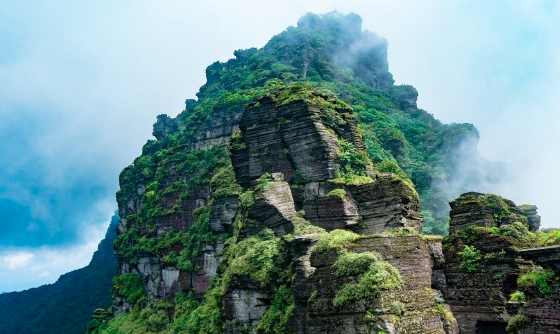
x,y
336,240
380,276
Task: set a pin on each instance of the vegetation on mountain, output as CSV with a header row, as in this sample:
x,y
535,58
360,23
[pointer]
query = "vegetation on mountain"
x,y
330,63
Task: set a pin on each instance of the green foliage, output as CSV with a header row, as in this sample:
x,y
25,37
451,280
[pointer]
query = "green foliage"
x,y
303,227
197,237
223,183
517,297
153,318
537,278
256,257
517,323
200,318
263,182
353,162
338,192
380,276
352,264
352,179
517,233
199,166
397,308
548,238
335,240
237,143
247,199
276,317
129,286
402,231
470,259
445,313
295,65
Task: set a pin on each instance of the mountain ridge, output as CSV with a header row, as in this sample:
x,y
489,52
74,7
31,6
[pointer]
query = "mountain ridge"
x,y
64,306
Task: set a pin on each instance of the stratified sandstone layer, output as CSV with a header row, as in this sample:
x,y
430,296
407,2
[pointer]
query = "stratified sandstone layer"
x,y
480,297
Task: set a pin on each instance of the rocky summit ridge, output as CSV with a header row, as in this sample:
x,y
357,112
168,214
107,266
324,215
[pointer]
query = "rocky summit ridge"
x,y
292,197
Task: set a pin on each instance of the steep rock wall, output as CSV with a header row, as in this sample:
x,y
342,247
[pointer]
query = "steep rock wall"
x,y
485,258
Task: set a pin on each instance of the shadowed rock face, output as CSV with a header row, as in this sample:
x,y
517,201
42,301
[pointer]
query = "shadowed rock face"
x,y
292,140
533,218
274,207
480,298
487,210
316,286
287,156
285,139
276,174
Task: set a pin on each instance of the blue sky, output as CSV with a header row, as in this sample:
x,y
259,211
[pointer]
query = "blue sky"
x,y
82,83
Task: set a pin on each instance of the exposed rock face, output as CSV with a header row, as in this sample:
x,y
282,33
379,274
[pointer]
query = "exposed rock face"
x,y
162,280
243,308
421,306
480,297
231,203
386,202
287,155
274,207
329,212
292,140
284,139
545,256
217,130
543,314
533,217
475,209
223,213
164,126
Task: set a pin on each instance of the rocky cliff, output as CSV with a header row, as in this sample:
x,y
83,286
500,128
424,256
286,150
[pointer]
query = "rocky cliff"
x,y
500,273
287,199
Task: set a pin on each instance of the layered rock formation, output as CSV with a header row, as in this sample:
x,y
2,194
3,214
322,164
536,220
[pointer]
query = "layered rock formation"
x,y
273,205
293,140
289,156
488,263
414,307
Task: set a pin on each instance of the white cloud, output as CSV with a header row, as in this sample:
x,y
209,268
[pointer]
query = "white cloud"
x,y
16,260
24,268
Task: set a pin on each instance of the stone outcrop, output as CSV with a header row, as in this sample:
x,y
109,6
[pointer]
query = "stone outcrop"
x,y
294,140
533,217
284,139
243,308
227,217
486,210
386,202
414,308
480,296
274,207
223,212
291,140
287,158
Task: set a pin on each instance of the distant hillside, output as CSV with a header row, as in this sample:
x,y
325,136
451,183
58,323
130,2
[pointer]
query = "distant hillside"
x,y
65,306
